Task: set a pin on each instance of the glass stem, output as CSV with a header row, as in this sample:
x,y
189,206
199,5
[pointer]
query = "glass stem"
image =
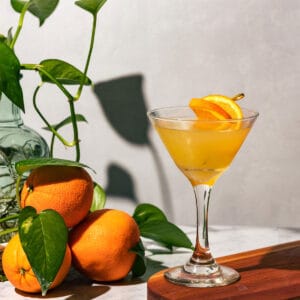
x,y
201,255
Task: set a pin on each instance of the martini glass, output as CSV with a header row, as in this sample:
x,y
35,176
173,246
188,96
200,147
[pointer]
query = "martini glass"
x,y
202,150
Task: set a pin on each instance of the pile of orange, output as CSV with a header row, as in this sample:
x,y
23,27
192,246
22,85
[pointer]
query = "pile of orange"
x,y
100,242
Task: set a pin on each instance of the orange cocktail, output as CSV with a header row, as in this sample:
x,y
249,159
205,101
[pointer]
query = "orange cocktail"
x,y
202,139
202,154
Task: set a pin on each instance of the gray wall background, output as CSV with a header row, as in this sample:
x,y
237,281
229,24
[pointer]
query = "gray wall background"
x,y
181,49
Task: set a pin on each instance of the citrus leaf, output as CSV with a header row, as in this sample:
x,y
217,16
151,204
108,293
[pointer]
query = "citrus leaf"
x,y
139,267
10,75
146,212
99,198
44,239
92,6
63,72
23,166
18,5
166,233
40,8
68,120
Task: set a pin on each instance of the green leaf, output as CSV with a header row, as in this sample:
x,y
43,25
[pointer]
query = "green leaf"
x,y
44,239
99,198
92,6
18,5
2,38
148,213
30,164
68,120
63,72
10,75
166,233
139,266
40,8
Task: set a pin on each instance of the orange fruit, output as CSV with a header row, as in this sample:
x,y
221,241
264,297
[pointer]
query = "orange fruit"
x,y
68,190
101,244
216,107
18,271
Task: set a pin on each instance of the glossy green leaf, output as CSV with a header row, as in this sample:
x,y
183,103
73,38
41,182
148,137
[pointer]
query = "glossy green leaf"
x,y
44,237
18,5
166,233
146,212
92,6
99,198
10,75
139,267
68,120
63,72
40,8
23,166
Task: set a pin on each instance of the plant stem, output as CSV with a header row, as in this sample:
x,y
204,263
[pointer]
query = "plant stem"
x,y
39,68
92,41
10,230
51,128
11,217
20,24
75,129
71,99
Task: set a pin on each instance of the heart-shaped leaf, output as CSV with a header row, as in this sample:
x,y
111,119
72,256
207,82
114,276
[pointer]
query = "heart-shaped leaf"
x,y
165,233
44,238
10,75
40,8
63,72
23,166
18,5
146,212
153,224
99,198
92,6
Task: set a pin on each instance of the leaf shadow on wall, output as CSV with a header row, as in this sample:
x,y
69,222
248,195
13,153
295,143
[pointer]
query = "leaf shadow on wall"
x,y
123,102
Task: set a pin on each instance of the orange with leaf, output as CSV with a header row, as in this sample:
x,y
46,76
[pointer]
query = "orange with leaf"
x,y
18,271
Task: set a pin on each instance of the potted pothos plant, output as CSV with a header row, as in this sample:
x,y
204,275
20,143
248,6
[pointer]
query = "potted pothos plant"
x,y
43,229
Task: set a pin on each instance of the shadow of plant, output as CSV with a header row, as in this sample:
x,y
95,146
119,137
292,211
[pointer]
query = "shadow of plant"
x,y
123,103
120,183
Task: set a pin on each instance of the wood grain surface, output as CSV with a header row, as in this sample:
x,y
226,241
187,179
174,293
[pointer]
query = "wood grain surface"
x,y
267,273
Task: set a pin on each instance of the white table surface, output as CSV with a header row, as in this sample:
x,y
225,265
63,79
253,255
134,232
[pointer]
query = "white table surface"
x,y
224,240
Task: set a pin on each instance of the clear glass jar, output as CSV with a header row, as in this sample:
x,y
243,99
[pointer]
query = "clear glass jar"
x,y
17,142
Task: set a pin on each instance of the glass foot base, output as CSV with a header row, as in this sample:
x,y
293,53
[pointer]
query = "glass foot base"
x,y
223,276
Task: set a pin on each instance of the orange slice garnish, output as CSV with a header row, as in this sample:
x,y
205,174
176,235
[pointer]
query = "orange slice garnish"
x,y
217,107
207,110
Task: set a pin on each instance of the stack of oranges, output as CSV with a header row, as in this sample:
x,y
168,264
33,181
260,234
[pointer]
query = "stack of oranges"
x,y
99,242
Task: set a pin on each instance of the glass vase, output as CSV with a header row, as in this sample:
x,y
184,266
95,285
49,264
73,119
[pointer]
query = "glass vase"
x,y
17,142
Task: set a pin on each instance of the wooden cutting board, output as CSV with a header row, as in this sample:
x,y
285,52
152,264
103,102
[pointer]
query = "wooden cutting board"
x,y
267,273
